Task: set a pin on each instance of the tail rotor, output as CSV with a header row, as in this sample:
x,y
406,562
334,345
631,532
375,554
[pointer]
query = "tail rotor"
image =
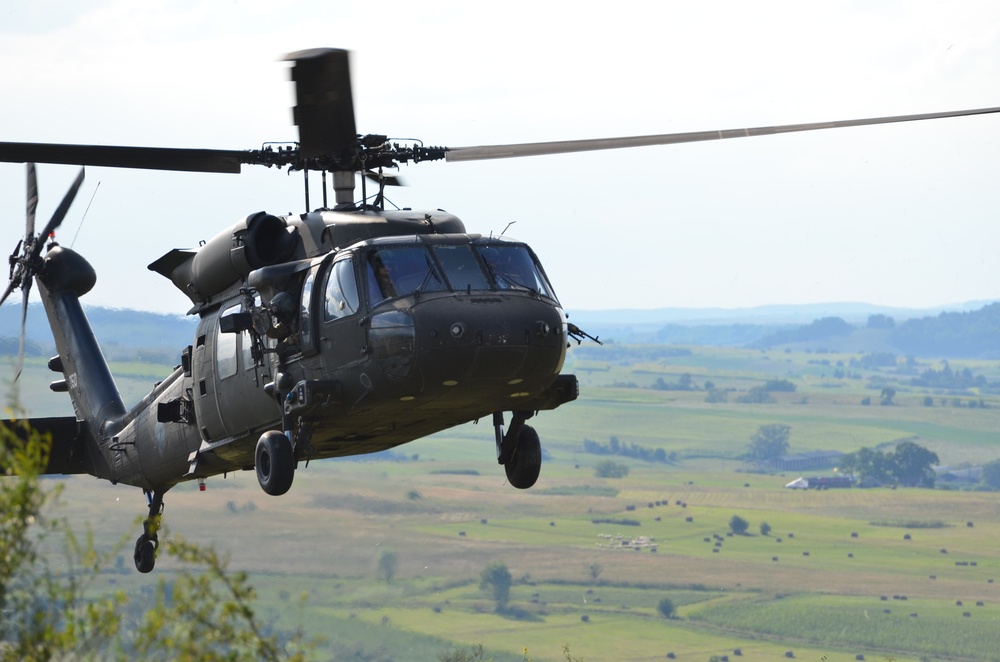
x,y
26,261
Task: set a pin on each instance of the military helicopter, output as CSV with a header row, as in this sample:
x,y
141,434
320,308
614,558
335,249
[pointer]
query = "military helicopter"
x,y
340,331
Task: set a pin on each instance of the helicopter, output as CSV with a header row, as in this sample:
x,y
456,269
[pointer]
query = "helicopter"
x,y
344,330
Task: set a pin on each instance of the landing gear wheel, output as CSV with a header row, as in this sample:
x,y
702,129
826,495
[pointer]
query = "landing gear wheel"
x,y
145,554
526,463
145,547
275,463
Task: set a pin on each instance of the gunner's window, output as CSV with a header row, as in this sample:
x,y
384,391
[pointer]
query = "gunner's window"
x,y
341,297
225,348
305,320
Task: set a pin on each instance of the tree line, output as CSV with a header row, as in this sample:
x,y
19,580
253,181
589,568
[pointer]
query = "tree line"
x,y
908,464
633,450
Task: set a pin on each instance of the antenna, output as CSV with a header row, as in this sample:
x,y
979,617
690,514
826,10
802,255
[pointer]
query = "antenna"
x,y
84,217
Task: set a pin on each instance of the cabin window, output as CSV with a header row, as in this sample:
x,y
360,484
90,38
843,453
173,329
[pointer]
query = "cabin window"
x,y
225,348
513,267
341,299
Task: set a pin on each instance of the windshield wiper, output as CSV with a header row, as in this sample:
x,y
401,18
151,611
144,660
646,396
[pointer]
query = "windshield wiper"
x,y
427,277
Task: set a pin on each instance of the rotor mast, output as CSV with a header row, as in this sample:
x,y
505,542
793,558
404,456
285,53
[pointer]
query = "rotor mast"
x,y
324,114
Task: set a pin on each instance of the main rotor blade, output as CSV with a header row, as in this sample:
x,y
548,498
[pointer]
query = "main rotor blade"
x,y
568,146
57,218
32,201
324,104
147,158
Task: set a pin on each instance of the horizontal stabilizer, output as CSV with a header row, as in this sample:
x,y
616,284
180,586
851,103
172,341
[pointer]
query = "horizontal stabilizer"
x,y
68,436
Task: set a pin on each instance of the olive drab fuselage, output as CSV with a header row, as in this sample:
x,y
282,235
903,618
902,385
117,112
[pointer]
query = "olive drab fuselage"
x,y
411,327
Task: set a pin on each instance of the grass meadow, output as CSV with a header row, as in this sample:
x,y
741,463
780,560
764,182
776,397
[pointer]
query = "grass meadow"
x,y
887,574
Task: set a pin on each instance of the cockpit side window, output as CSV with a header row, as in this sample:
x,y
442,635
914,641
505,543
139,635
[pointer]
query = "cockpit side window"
x,y
341,297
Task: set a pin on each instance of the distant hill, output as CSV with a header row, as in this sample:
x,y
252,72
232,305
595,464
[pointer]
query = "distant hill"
x,y
123,334
767,326
972,334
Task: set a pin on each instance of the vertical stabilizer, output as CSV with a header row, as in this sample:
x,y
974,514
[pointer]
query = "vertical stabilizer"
x,y
64,278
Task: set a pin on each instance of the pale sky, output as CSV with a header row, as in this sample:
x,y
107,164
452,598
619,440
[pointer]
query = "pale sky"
x,y
900,215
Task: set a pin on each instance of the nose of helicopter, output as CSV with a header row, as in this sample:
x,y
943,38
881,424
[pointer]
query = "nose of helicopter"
x,y
469,347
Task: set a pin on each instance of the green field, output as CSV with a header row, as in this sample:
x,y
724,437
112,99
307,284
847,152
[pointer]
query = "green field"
x,y
842,573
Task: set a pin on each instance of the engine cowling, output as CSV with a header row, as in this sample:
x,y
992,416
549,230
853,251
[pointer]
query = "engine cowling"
x,y
259,240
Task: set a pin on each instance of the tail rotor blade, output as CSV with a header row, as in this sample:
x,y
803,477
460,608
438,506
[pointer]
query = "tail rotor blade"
x,y
58,216
6,293
25,290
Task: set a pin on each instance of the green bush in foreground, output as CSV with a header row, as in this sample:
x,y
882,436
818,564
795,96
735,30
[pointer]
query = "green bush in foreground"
x,y
206,612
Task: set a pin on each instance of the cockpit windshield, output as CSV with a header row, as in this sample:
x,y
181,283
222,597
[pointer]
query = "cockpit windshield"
x,y
513,267
398,271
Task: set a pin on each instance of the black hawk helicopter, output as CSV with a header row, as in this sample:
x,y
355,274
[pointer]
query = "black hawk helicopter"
x,y
334,332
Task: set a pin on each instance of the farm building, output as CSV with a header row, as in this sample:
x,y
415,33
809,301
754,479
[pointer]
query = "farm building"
x,y
820,482
804,461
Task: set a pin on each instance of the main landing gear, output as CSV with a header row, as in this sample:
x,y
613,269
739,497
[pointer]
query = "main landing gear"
x,y
146,545
275,462
519,450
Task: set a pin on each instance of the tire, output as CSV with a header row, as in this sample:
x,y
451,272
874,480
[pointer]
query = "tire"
x,y
526,463
145,554
275,463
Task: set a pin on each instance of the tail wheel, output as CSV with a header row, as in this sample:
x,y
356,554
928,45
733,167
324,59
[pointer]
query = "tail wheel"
x,y
275,463
526,463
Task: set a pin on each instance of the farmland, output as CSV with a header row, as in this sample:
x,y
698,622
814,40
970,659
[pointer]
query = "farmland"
x,y
902,574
